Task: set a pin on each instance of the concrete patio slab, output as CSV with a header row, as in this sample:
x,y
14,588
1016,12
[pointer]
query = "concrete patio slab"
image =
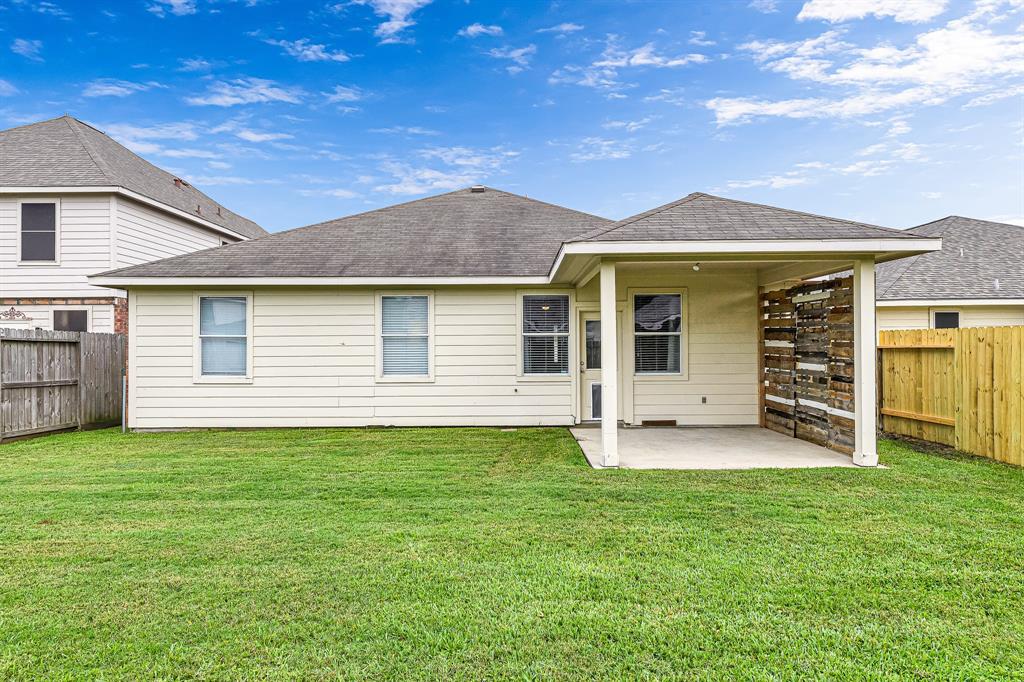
x,y
733,447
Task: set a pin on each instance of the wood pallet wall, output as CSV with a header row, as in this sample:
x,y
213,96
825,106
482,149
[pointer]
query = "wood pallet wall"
x,y
807,342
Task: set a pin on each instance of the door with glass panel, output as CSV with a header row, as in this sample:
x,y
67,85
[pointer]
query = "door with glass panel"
x,y
590,365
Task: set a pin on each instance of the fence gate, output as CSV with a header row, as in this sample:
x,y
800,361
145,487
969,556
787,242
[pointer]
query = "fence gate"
x,y
50,381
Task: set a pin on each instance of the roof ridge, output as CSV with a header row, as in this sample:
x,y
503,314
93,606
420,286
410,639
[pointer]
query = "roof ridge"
x,y
907,263
806,213
35,123
639,216
432,196
93,154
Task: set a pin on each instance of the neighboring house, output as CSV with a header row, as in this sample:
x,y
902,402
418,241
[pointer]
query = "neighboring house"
x,y
481,307
976,280
74,202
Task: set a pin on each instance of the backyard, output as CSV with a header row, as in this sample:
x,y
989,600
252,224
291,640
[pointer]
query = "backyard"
x,y
478,553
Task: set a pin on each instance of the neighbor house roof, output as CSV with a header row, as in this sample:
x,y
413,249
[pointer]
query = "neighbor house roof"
x,y
979,260
472,232
700,217
65,152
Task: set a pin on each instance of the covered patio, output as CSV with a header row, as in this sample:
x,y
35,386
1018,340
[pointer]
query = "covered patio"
x,y
733,447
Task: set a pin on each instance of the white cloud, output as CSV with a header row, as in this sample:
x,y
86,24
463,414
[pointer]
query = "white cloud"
x,y
246,91
474,30
628,126
931,195
898,127
256,136
129,132
603,73
771,181
344,93
967,56
449,168
229,180
906,11
700,39
765,6
337,193
997,96
306,51
178,8
398,13
7,88
667,95
520,56
194,64
110,87
600,149
51,9
218,165
29,49
645,55
405,130
563,28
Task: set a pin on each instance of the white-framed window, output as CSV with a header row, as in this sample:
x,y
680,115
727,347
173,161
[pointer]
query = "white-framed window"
x,y
545,334
658,333
405,336
946,319
39,231
223,337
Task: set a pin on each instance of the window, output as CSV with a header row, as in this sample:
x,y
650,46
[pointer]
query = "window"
x,y
947,320
70,320
593,342
658,333
223,336
405,336
545,334
39,232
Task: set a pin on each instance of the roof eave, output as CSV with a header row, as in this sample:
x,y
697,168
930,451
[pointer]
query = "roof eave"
x,y
127,193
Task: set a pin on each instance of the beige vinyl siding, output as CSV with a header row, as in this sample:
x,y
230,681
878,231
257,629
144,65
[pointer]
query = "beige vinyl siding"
x,y
720,346
84,249
920,317
146,234
902,318
314,364
101,317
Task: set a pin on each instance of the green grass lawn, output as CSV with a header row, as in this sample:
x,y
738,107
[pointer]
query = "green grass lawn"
x,y
476,553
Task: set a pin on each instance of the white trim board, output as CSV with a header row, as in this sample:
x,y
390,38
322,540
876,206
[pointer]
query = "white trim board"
x,y
945,302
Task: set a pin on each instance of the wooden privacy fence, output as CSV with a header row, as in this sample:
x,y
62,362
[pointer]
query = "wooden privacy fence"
x,y
51,381
959,387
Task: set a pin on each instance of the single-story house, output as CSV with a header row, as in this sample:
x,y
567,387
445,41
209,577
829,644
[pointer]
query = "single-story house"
x,y
482,307
976,280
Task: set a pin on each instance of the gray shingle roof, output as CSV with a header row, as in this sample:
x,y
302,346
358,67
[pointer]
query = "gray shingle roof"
x,y
64,152
458,234
700,216
975,255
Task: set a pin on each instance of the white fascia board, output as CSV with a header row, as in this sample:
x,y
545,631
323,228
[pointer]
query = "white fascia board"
x,y
114,189
750,247
936,302
122,282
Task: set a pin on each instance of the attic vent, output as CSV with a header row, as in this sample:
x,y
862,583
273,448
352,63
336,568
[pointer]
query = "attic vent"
x,y
477,189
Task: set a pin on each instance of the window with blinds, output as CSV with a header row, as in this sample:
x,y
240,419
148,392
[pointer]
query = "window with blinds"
x,y
545,334
223,335
658,333
405,340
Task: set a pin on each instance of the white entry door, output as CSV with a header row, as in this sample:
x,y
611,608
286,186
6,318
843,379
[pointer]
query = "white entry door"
x,y
590,365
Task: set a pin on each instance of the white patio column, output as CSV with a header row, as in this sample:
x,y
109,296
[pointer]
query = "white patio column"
x,y
865,338
609,369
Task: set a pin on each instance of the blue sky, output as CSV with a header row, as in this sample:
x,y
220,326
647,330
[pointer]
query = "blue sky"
x,y
894,112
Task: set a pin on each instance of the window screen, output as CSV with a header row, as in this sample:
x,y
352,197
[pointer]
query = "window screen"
x,y
405,343
947,320
545,334
658,329
222,335
39,232
70,320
